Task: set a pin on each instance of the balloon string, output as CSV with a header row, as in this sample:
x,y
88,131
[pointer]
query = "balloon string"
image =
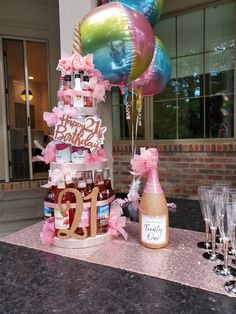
x,y
136,130
132,122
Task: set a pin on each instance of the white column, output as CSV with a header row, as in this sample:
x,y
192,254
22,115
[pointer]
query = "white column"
x,y
70,12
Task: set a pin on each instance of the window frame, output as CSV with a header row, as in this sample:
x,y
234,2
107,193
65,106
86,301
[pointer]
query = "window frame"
x,y
148,101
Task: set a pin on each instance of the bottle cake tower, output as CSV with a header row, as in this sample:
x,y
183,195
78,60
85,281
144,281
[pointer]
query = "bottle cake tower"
x,y
79,195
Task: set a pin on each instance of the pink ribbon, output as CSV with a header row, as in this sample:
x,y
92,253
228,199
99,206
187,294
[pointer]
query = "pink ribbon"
x,y
116,222
48,154
142,163
48,232
72,92
95,157
51,118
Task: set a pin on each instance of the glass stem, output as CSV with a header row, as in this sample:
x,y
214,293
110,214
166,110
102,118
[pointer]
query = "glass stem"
x,y
225,246
207,230
213,239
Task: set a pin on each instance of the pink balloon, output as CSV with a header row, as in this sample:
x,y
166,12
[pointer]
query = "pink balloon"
x,y
157,75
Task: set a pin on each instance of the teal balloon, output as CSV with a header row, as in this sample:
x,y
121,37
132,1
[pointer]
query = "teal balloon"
x,y
121,40
151,9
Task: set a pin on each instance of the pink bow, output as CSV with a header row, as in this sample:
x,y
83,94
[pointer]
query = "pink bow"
x,y
97,87
99,92
95,157
142,163
48,232
48,153
116,222
51,118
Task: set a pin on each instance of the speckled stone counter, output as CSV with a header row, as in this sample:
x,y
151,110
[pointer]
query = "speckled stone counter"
x,y
116,277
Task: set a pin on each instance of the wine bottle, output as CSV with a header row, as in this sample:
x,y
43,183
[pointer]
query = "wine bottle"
x,y
153,211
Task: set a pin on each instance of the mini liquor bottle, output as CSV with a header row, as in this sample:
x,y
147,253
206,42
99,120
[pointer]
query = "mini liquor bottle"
x,y
78,100
60,99
78,154
102,215
63,219
89,181
99,180
67,85
88,102
63,152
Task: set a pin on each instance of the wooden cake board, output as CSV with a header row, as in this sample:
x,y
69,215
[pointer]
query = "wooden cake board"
x,y
73,243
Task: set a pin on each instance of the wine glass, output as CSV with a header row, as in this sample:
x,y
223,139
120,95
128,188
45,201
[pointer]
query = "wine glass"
x,y
212,215
223,221
230,286
202,193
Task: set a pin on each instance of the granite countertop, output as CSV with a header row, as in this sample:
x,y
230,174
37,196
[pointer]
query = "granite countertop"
x,y
35,280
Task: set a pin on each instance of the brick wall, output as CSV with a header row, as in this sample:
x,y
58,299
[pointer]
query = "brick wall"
x,y
22,185
182,167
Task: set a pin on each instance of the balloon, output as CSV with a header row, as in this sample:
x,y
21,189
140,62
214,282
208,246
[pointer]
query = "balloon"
x,y
121,40
151,9
157,75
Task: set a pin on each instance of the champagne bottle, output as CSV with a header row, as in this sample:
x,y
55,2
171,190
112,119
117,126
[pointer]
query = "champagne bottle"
x,y
153,212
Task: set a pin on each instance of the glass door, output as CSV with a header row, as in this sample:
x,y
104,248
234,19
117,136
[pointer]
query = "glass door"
x,y
26,81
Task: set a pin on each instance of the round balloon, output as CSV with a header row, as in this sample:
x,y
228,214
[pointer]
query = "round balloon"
x,y
157,75
121,40
151,9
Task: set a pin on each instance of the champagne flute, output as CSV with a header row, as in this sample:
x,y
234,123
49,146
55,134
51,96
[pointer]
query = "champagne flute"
x,y
232,198
230,286
220,186
202,193
222,212
211,210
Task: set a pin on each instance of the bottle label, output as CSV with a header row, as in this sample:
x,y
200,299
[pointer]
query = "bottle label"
x,y
154,229
78,101
85,218
103,211
62,152
47,211
78,155
61,219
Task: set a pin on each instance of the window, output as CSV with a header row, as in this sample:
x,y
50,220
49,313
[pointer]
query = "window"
x,y
198,101
124,129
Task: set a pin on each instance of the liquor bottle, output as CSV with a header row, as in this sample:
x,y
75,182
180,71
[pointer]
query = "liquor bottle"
x,y
49,198
82,187
99,180
63,219
102,214
153,211
88,101
60,99
67,85
78,101
85,218
89,181
63,151
107,182
78,154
